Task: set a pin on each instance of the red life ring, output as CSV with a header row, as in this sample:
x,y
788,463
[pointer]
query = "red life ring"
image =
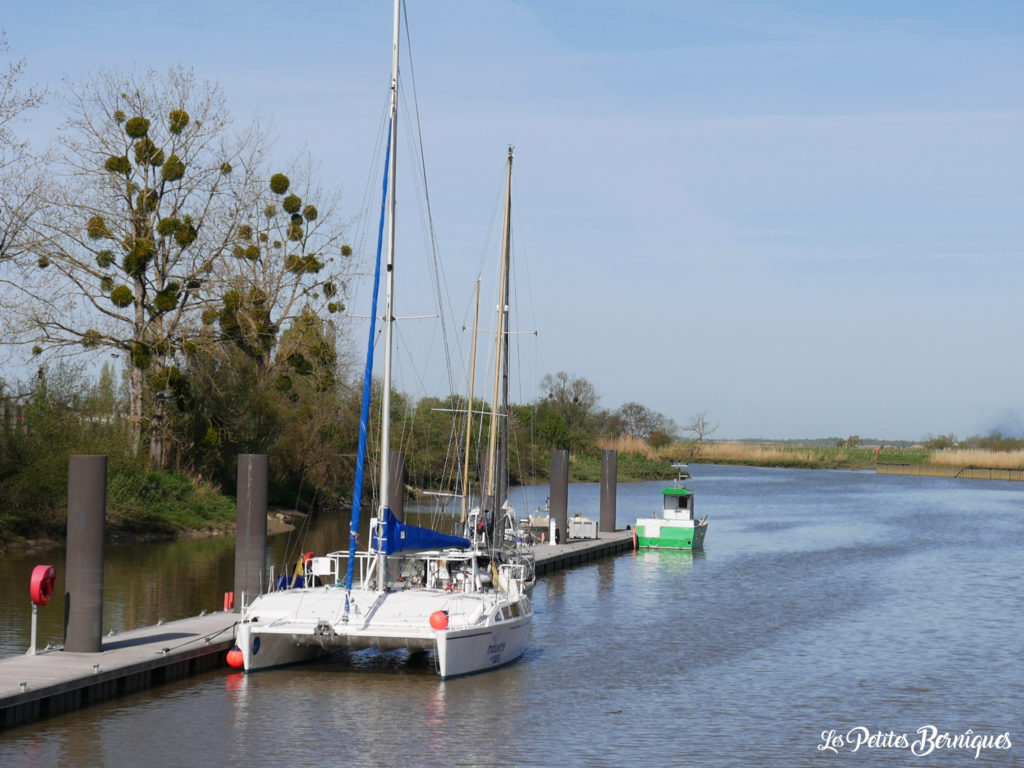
x,y
44,577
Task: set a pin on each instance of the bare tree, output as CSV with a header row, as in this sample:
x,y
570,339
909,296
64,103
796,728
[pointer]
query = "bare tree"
x,y
700,427
17,167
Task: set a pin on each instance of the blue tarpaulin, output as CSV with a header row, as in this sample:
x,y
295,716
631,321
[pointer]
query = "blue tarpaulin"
x,y
398,536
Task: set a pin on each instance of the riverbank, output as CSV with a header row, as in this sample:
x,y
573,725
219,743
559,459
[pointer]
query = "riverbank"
x,y
278,521
166,506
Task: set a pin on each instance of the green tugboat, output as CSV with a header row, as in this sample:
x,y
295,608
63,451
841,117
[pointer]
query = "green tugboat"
x,y
676,527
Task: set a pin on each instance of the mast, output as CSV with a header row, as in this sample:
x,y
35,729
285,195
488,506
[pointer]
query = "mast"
x,y
500,360
503,470
469,409
389,295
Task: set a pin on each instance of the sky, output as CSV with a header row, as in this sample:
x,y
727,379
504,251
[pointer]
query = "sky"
x,y
802,217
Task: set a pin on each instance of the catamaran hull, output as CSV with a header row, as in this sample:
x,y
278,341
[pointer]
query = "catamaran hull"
x,y
482,634
266,650
459,652
466,651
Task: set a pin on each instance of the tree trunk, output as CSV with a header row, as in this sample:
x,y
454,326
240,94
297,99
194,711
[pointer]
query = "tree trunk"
x,y
135,407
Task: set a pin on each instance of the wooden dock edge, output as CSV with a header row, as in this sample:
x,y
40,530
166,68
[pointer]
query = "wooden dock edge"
x,y
91,678
551,558
942,470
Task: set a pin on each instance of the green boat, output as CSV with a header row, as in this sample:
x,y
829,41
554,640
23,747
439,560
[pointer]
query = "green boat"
x,y
676,527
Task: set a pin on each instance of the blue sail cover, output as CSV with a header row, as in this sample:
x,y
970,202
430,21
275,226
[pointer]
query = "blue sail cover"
x,y
398,536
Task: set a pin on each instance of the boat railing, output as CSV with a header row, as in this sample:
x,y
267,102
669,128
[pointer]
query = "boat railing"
x,y
318,570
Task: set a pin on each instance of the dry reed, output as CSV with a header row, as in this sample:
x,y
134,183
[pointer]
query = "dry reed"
x,y
963,457
627,444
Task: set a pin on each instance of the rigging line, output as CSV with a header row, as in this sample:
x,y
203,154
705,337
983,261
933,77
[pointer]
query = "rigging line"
x,y
370,185
438,270
410,417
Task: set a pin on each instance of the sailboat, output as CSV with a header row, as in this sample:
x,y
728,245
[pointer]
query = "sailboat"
x,y
464,598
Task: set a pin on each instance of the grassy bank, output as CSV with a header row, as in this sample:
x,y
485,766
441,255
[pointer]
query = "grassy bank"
x,y
140,503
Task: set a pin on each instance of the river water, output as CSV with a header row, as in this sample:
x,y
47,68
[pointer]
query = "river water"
x,y
837,603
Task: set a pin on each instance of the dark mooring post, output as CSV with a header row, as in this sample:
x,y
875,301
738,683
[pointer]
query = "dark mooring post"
x,y
396,493
609,487
251,527
560,493
83,568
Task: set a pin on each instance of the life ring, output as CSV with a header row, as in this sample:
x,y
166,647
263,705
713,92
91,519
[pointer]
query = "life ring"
x,y
44,578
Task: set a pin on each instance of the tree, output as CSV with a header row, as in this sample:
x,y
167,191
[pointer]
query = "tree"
x,y
700,427
566,415
16,165
151,207
640,421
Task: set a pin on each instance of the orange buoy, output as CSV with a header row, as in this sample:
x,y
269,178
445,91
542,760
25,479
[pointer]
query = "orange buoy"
x,y
235,657
439,619
41,587
229,601
307,559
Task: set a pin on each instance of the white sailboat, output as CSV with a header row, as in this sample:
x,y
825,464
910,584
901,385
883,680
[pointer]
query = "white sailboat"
x,y
466,599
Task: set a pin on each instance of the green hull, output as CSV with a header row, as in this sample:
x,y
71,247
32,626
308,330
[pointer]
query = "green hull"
x,y
671,537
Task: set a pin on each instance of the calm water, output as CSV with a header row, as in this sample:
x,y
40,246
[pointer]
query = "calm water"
x,y
824,600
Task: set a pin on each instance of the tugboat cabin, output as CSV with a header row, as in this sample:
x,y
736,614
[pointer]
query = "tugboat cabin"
x,y
678,504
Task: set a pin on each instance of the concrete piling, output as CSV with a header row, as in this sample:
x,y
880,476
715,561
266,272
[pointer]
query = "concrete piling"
x,y
559,488
609,488
251,527
87,509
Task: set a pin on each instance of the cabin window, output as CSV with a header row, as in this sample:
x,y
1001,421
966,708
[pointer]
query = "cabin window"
x,y
514,609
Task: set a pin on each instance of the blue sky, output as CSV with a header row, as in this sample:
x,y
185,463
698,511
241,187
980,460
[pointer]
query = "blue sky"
x,y
805,218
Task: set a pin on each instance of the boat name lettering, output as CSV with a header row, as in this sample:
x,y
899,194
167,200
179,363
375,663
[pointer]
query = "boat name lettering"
x,y
496,648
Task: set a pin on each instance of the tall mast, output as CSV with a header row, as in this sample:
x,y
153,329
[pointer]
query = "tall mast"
x,y
469,409
507,251
499,357
389,280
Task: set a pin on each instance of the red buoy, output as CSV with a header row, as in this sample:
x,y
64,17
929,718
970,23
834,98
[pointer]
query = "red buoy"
x,y
41,587
439,619
235,658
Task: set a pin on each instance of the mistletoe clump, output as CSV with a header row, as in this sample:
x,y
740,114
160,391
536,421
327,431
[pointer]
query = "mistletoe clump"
x,y
137,127
122,296
173,169
279,183
178,120
291,204
118,164
96,228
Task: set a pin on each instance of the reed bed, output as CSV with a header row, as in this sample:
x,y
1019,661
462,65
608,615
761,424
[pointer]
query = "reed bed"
x,y
628,444
974,457
767,454
823,456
